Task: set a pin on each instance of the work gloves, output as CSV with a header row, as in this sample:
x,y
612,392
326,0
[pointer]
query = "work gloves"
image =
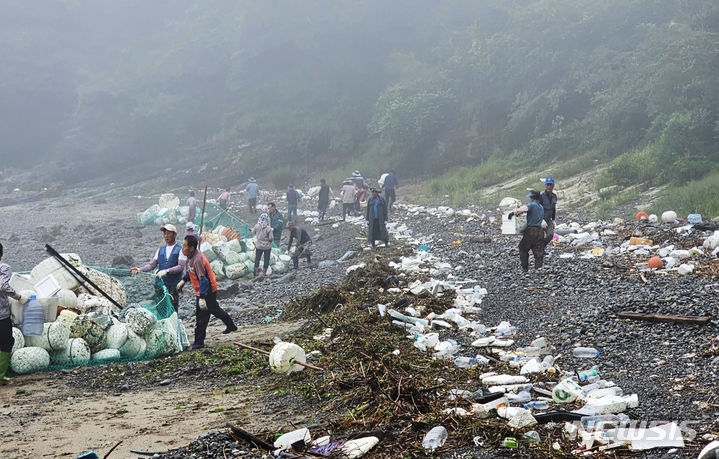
x,y
23,299
180,285
202,304
161,273
134,270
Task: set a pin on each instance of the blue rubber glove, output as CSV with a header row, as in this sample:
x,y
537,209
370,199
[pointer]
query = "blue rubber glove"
x,y
205,287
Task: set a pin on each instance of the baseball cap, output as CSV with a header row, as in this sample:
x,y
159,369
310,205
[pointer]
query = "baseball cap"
x,y
549,181
534,194
169,227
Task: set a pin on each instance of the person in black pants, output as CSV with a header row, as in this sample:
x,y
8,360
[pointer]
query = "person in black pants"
x,y
303,247
203,280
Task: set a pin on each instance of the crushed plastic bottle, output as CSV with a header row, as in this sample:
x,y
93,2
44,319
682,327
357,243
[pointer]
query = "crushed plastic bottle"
x,y
599,393
604,421
521,397
435,438
585,352
424,342
468,362
532,436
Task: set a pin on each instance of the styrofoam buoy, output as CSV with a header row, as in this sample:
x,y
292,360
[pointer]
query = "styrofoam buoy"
x,y
284,355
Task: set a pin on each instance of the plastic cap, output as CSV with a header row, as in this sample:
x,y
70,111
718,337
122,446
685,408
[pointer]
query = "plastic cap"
x,y
32,297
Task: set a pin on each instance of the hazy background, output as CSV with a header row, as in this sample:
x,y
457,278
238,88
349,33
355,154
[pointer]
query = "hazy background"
x,y
284,89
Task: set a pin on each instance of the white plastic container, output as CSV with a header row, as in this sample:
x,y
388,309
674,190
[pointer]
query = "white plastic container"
x,y
434,439
285,441
48,286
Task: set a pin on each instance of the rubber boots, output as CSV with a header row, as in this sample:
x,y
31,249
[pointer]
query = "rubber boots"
x,y
264,272
4,364
256,272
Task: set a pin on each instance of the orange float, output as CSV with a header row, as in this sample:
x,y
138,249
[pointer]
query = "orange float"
x,y
655,263
641,216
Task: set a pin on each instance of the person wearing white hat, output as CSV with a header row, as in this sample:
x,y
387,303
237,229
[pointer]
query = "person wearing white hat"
x,y
170,263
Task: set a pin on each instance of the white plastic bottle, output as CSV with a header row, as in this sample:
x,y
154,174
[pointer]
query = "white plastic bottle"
x,y
585,352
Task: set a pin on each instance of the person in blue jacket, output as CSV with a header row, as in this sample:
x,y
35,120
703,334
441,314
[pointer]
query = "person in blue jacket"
x,y
533,236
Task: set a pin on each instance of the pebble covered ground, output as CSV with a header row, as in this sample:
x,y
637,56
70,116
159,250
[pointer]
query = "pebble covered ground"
x,y
571,302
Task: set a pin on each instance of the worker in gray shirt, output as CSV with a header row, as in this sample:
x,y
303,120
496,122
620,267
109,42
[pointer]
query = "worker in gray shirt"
x,y
6,339
548,200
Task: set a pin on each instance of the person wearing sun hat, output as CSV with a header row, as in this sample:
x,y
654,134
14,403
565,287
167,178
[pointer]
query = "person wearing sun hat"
x,y
533,235
170,263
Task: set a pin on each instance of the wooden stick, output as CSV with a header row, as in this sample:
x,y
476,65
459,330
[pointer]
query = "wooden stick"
x,y
258,442
262,351
202,217
112,449
663,318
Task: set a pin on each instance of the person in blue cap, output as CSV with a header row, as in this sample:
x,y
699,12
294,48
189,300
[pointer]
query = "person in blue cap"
x,y
548,200
533,235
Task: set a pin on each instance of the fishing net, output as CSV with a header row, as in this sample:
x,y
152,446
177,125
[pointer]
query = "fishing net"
x,y
101,339
215,216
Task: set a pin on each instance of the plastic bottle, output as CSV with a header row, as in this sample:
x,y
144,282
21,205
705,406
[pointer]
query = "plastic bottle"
x,y
587,374
585,352
435,438
521,397
465,362
509,442
605,420
537,405
506,331
599,393
33,317
540,342
532,436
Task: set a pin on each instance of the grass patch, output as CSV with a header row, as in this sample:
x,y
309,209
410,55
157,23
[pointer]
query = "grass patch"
x,y
459,185
606,209
699,196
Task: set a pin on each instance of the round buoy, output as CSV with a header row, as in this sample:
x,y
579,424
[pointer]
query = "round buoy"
x,y
641,216
655,263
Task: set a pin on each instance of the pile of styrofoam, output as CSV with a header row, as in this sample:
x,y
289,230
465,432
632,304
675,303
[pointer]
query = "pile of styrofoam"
x,y
231,259
168,210
88,330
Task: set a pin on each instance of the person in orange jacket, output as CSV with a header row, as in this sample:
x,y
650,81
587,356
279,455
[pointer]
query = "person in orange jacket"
x,y
203,281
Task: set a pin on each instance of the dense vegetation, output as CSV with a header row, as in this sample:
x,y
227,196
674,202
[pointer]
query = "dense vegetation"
x,y
295,86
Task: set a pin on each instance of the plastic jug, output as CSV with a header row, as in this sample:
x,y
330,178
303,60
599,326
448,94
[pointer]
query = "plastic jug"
x,y
33,318
435,438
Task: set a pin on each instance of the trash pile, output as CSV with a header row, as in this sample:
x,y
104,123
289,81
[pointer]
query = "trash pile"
x,y
68,323
232,258
167,210
609,239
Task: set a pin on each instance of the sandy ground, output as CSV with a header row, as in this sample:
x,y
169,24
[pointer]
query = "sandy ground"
x,y
43,421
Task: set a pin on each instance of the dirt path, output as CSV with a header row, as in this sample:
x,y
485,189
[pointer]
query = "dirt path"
x,y
42,420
